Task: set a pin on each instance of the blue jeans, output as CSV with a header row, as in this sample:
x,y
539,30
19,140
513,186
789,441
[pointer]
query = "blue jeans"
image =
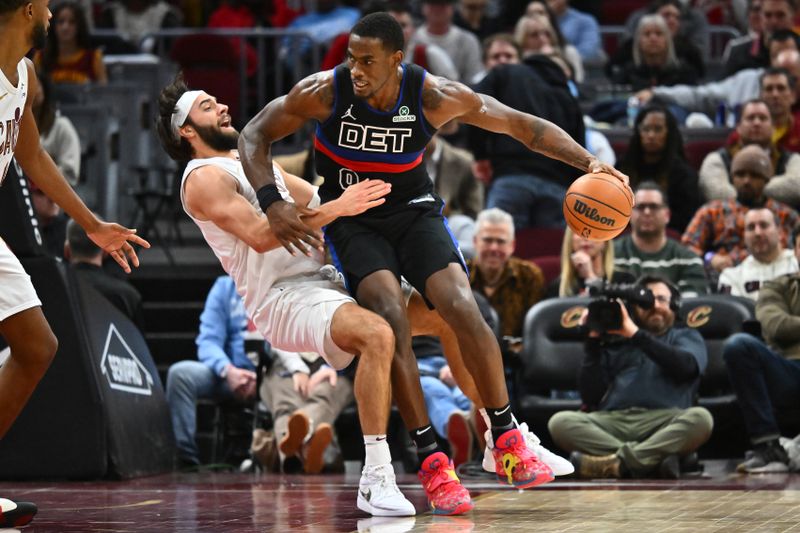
x,y
533,202
441,400
187,381
762,380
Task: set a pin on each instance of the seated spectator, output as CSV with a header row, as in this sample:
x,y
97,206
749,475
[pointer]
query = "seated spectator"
x,y
655,153
640,389
237,14
654,60
686,51
540,8
766,373
648,251
754,128
690,23
583,262
778,91
716,232
56,132
526,184
462,46
52,221
511,285
429,56
767,259
536,35
328,20
448,407
305,396
87,260
472,16
450,168
732,91
753,52
579,29
134,19
68,56
223,372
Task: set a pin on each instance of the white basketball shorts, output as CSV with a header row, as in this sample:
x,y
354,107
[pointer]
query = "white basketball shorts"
x,y
16,290
299,313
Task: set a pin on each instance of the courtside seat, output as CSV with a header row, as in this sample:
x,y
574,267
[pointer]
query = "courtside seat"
x,y
538,242
550,265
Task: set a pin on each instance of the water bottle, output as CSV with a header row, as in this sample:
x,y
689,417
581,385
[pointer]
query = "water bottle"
x,y
721,118
633,110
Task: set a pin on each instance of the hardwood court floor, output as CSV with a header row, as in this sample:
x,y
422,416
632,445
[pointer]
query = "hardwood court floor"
x,y
209,502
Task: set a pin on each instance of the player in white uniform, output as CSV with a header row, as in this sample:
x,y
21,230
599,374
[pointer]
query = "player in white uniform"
x,y
296,301
23,25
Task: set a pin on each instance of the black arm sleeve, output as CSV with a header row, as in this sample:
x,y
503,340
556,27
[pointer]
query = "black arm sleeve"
x,y
592,380
678,364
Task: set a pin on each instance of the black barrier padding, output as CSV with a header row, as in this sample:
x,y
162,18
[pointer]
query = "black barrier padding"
x,y
100,409
61,433
140,437
18,224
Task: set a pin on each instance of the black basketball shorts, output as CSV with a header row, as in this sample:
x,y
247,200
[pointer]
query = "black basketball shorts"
x,y
413,242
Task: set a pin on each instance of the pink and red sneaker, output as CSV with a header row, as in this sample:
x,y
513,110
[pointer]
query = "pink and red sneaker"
x,y
446,494
515,464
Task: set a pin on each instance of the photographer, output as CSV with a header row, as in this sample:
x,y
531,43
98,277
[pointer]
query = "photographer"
x,y
642,377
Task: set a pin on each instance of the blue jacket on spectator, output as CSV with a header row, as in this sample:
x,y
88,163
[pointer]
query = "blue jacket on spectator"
x,y
222,326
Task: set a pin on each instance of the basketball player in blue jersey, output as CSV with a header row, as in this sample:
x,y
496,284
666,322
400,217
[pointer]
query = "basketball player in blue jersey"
x,y
23,25
375,115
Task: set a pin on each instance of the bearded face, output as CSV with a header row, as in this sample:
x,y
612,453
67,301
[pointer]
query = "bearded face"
x,y
217,139
39,35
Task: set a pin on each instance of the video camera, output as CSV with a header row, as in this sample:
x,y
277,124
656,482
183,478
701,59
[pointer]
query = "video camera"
x,y
605,313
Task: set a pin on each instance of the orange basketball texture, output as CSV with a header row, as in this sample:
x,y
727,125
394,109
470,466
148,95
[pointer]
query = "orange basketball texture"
x,y
597,207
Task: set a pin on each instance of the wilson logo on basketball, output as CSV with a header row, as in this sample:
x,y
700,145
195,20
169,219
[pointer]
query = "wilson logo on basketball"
x,y
591,213
698,316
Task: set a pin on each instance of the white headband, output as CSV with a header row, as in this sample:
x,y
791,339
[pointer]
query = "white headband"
x,y
182,107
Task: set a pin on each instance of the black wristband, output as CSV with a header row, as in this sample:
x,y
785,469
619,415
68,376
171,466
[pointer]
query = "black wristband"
x,y
268,195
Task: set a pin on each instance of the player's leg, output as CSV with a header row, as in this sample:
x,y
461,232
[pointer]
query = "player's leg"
x,y
358,331
33,346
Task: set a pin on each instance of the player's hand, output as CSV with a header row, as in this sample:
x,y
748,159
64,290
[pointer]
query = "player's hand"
x,y
116,241
292,232
324,372
363,195
446,375
300,383
598,167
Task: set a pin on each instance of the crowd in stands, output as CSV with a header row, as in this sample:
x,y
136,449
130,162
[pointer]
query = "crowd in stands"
x,y
723,222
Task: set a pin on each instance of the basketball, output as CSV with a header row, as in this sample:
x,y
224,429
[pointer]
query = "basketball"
x,y
598,206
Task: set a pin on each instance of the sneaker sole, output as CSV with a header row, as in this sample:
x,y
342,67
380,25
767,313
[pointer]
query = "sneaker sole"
x,y
461,508
368,508
315,451
539,479
296,433
460,439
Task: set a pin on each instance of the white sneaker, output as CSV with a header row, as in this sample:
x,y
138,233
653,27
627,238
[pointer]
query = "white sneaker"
x,y
559,465
378,494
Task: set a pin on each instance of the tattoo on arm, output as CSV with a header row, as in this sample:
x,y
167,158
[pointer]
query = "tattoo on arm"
x,y
326,94
555,143
431,99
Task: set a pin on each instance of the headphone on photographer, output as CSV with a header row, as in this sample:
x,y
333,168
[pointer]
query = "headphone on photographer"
x,y
675,300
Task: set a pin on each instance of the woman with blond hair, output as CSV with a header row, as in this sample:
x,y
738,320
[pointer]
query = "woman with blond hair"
x,y
535,34
583,262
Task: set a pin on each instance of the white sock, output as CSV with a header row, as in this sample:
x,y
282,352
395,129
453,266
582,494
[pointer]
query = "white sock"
x,y
377,450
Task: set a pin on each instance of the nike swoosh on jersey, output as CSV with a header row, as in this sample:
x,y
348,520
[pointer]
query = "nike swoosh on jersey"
x,y
3,96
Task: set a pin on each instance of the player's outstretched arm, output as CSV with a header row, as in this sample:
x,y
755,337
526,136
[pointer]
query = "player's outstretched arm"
x,y
311,98
451,99
211,195
37,164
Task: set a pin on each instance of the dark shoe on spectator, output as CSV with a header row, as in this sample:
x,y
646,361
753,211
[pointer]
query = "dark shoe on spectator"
x,y
670,467
16,514
314,450
596,466
767,458
691,464
459,436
